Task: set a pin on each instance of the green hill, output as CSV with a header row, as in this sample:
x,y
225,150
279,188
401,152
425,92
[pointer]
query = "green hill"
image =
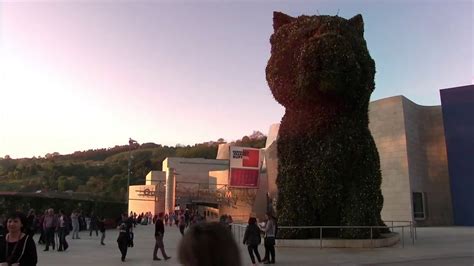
x,y
102,172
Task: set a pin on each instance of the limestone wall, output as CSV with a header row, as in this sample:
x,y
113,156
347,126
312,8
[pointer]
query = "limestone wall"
x,y
427,161
143,199
155,177
185,175
387,125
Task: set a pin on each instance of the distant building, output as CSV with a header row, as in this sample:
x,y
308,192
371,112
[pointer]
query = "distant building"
x,y
179,184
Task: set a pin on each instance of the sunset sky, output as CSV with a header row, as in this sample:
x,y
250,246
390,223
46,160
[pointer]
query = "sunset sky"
x,y
78,75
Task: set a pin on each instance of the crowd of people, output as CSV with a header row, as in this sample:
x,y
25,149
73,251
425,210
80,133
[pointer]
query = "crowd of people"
x,y
198,246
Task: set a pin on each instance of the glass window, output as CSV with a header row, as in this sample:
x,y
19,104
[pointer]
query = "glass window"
x,y
419,206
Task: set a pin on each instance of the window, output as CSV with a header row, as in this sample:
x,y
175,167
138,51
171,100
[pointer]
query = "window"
x,y
419,205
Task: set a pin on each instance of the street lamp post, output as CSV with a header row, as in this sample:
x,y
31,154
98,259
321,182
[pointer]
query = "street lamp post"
x,y
130,143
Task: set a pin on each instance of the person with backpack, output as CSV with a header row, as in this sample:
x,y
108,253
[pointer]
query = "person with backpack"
x,y
252,239
269,229
123,239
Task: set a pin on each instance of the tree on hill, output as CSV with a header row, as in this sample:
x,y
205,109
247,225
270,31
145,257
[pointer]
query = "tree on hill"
x,y
101,171
256,135
255,140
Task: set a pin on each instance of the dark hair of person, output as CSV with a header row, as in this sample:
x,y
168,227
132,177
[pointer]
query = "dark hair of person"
x,y
208,244
252,220
19,215
270,215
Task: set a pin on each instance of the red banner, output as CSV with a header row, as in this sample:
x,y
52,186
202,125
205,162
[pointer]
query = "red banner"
x,y
250,158
243,177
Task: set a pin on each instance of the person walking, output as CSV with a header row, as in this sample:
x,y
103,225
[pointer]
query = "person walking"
x,y
172,217
42,238
159,234
181,223
82,221
31,223
50,225
63,230
101,225
75,224
93,225
269,241
131,236
252,239
124,235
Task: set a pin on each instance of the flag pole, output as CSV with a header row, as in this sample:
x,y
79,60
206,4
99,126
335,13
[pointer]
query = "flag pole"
x,y
130,143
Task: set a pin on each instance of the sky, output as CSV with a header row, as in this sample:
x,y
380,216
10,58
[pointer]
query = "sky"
x,y
79,75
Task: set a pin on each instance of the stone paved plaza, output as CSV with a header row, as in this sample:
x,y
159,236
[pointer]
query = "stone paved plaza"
x,y
434,246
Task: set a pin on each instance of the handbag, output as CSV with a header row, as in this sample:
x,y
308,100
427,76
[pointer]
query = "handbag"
x,y
269,241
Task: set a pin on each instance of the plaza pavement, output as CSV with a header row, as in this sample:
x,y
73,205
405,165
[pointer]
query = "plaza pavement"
x,y
434,246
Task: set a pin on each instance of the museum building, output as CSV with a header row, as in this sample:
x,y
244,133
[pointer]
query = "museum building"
x,y
426,159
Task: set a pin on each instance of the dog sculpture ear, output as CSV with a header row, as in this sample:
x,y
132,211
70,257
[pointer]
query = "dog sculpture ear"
x,y
357,23
280,19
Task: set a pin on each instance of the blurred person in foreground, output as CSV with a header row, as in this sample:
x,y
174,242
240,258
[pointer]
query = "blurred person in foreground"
x,y
17,248
208,244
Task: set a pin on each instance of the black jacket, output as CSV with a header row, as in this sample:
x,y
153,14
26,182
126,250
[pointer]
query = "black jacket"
x,y
252,235
25,253
159,227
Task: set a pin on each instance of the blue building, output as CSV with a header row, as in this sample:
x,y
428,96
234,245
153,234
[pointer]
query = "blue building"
x,y
458,117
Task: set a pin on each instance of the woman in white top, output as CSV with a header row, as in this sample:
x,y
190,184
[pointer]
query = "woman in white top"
x,y
269,241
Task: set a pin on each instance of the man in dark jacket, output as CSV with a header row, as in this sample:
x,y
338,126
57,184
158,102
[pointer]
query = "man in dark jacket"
x,y
159,233
93,225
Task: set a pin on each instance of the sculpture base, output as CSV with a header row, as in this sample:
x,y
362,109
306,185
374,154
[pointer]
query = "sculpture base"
x,y
388,240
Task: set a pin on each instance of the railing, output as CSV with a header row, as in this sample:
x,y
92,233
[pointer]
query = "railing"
x,y
238,230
